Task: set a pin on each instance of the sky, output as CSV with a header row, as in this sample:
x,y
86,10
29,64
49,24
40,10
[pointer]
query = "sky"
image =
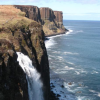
x,y
72,9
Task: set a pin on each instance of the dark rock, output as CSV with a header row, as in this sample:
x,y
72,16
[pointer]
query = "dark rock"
x,y
62,86
58,95
11,75
52,86
53,96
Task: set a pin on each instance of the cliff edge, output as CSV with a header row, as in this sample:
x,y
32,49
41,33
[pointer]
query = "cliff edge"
x,y
20,34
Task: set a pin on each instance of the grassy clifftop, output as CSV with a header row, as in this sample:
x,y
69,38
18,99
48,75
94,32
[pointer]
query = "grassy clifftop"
x,y
12,18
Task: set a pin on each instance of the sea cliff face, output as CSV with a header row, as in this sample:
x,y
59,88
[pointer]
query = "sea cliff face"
x,y
52,21
20,34
23,29
31,12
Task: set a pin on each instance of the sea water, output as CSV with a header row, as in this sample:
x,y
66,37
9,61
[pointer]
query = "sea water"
x,y
74,60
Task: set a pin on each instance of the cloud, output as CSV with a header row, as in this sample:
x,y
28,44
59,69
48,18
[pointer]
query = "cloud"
x,y
63,1
81,1
58,1
82,14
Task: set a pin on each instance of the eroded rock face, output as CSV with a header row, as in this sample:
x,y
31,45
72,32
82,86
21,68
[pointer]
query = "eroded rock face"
x,y
32,12
53,16
47,14
58,16
13,84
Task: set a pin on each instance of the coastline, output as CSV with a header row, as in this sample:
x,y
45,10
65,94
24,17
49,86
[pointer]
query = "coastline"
x,y
56,92
57,89
46,36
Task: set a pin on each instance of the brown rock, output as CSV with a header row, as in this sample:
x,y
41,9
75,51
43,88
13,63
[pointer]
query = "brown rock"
x,y
69,83
32,12
46,14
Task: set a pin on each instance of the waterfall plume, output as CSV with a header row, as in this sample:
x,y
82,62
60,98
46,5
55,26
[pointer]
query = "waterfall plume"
x,y
32,76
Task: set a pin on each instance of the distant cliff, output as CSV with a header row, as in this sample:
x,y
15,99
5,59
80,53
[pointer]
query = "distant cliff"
x,y
52,21
32,12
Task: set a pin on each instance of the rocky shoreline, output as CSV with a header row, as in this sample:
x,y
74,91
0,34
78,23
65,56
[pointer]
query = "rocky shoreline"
x,y
57,33
54,96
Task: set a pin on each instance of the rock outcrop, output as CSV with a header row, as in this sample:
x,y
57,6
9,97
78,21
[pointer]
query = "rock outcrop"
x,y
13,84
47,14
59,18
52,21
20,34
32,12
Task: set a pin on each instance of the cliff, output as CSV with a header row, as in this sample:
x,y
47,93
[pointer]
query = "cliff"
x,y
31,12
20,34
52,21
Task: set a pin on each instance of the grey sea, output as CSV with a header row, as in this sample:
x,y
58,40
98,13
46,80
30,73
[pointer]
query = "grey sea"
x,y
74,60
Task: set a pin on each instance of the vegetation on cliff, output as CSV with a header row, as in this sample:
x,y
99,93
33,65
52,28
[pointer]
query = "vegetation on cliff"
x,y
20,34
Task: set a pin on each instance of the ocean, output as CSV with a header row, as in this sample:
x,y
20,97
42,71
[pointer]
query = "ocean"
x,y
74,59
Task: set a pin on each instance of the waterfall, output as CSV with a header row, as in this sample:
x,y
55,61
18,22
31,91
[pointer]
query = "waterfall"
x,y
32,76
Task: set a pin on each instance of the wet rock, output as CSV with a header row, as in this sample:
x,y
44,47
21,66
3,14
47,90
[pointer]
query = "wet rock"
x,y
52,86
58,95
62,86
53,96
69,83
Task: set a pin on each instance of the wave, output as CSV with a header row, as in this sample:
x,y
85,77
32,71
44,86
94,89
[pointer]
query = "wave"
x,y
80,71
49,43
77,72
59,89
70,63
69,68
94,72
95,92
78,89
70,53
57,52
70,31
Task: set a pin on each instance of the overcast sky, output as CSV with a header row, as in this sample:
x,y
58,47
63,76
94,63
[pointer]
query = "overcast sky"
x,y
72,9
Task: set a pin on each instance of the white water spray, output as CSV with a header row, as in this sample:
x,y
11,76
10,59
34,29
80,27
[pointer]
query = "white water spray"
x,y
32,76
